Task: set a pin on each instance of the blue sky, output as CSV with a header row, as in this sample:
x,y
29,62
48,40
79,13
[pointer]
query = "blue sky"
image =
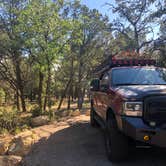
x,y
104,9
100,5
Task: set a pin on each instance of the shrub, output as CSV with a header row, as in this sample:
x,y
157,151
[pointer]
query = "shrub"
x,y
36,111
8,120
17,130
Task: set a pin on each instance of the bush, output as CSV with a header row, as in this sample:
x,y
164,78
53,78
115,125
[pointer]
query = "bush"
x,y
2,96
17,130
8,120
36,111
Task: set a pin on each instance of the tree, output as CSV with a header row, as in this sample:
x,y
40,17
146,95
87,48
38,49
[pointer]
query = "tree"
x,y
133,21
84,48
158,17
12,46
41,21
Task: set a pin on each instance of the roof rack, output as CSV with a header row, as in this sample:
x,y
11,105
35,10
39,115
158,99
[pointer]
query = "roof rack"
x,y
112,62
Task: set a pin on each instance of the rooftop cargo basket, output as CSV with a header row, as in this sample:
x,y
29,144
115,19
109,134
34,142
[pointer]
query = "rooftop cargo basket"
x,y
113,62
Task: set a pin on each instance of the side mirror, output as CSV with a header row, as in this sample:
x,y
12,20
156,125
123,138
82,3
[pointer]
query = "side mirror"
x,y
95,85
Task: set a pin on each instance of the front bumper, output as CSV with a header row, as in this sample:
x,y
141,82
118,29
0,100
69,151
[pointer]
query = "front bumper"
x,y
137,129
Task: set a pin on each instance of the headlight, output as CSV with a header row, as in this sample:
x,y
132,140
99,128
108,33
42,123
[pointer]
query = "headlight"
x,y
133,108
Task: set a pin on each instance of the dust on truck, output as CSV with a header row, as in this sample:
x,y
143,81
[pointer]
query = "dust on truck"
x,y
128,100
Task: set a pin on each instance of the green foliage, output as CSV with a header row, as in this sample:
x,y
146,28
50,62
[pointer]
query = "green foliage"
x,y
49,49
17,130
51,114
36,111
8,120
2,95
132,22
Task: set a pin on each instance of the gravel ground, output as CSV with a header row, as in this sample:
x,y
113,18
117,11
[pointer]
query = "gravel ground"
x,y
82,145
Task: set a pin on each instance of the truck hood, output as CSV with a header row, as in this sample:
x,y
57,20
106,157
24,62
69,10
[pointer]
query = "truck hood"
x,y
140,91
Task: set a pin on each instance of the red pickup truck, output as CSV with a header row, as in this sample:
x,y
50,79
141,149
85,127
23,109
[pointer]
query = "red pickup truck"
x,y
128,99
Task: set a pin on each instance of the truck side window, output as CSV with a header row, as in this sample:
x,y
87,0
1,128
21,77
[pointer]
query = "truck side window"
x,y
104,83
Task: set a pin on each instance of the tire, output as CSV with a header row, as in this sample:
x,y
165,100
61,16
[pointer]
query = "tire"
x,y
116,143
93,121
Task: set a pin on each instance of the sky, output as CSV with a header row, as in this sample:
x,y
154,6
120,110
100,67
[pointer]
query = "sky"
x,y
104,9
100,5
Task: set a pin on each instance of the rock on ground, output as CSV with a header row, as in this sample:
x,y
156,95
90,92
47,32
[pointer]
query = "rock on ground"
x,y
39,121
75,113
4,144
10,160
21,144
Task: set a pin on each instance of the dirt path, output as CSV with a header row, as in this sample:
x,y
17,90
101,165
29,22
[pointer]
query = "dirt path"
x,y
78,144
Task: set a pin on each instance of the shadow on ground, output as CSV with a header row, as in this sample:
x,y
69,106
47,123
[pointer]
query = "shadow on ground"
x,y
82,145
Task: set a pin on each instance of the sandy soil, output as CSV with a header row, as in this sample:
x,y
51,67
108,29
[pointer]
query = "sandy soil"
x,y
76,143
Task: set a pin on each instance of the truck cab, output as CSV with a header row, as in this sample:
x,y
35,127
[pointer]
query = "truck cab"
x,y
128,100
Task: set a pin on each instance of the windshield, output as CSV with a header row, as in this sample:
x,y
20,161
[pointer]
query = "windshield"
x,y
138,76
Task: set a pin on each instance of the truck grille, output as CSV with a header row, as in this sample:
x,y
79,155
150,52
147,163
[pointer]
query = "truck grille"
x,y
155,109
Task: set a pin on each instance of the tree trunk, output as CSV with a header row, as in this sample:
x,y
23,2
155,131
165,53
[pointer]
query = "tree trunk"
x,y
68,105
17,100
68,85
31,96
19,82
83,94
22,100
48,97
40,90
79,86
72,92
64,94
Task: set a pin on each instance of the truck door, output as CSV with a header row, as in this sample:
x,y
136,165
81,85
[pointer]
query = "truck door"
x,y
104,86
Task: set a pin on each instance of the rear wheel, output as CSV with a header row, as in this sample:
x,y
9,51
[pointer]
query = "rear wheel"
x,y
116,142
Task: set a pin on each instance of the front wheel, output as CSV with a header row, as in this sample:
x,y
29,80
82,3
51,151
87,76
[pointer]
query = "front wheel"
x,y
116,142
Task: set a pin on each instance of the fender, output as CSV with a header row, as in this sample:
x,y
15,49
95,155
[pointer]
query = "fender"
x,y
118,118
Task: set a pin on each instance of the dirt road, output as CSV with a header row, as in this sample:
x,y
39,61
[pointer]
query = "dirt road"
x,y
81,145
